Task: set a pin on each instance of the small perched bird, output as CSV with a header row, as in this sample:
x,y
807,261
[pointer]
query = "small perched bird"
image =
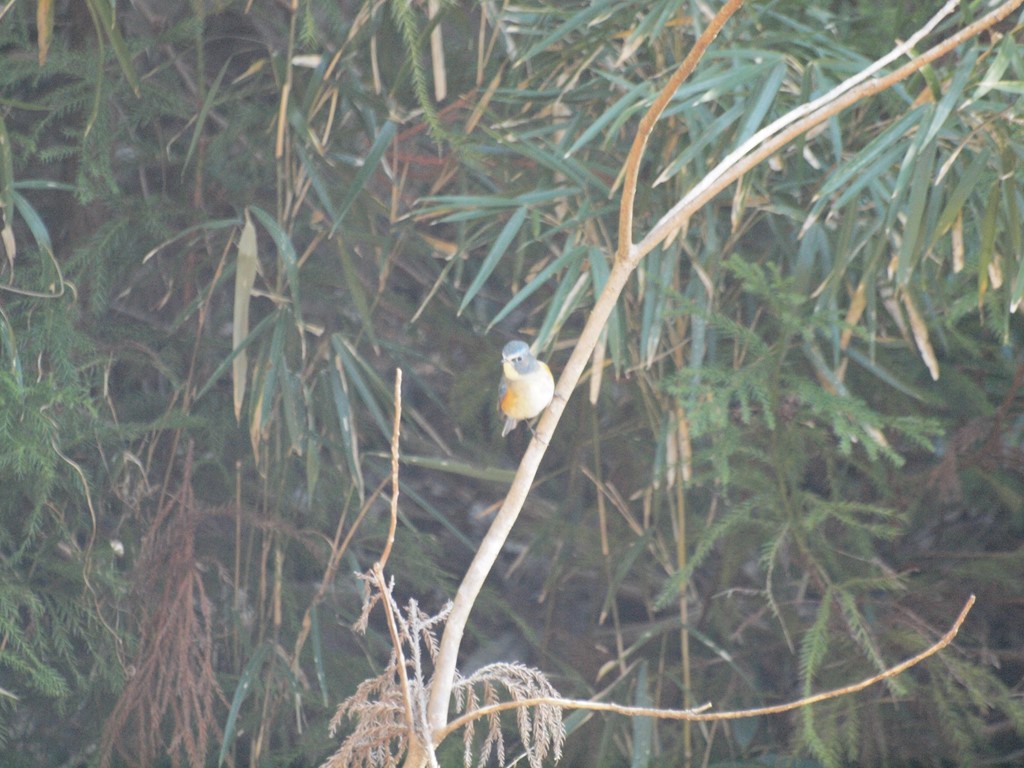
x,y
526,385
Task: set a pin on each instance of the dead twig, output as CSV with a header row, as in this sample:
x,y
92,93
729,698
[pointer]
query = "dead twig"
x,y
700,713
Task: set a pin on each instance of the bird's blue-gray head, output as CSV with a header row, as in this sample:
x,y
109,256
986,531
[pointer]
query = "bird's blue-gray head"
x,y
518,354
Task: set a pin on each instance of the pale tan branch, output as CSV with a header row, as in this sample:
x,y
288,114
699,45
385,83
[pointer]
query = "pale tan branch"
x,y
651,117
700,713
394,470
378,567
733,167
396,640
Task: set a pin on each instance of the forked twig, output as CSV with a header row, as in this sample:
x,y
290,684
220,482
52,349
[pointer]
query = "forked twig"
x,y
378,567
650,119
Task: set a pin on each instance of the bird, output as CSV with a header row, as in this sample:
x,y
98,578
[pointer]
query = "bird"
x,y
526,387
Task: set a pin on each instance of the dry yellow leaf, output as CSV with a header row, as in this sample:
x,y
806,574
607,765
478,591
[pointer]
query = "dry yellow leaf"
x,y
920,331
857,304
44,25
245,274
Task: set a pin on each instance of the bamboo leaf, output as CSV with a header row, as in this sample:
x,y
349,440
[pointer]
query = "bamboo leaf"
x,y
320,186
958,197
294,405
919,189
274,367
253,671
765,97
318,653
703,137
245,274
624,565
643,727
7,195
658,268
887,144
614,336
956,244
578,21
469,207
366,170
289,259
460,468
1000,63
206,226
204,112
346,420
566,298
36,225
1012,207
883,374
1017,290
952,99
356,290
541,278
988,239
498,249
312,456
103,11
873,179
9,345
44,27
315,87
41,234
627,104
920,331
904,176
858,302
357,371
552,159
441,516
257,332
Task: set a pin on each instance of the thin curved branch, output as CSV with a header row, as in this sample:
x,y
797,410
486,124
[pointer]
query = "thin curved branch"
x,y
651,117
378,567
395,433
700,713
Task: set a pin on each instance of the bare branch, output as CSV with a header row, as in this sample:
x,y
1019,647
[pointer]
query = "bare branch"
x,y
396,640
733,167
394,471
700,713
651,117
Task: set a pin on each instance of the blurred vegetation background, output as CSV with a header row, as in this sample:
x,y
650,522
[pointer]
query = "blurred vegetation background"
x,y
800,448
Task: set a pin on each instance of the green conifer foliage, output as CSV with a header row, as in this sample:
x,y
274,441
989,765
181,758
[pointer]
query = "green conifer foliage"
x,y
798,450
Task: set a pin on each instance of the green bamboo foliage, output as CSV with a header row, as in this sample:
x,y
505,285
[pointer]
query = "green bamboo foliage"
x,y
223,231
787,313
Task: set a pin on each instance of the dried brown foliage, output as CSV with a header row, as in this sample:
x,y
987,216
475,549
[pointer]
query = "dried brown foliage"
x,y
169,703
387,706
542,733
